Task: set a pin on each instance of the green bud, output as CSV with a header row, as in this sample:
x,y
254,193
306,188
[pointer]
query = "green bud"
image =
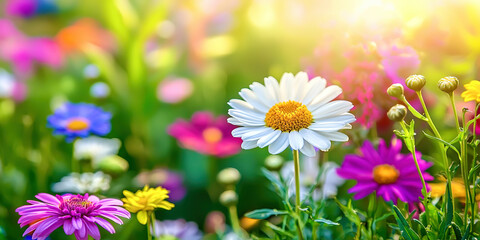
x,y
113,164
448,84
396,90
415,82
229,198
274,162
397,113
228,176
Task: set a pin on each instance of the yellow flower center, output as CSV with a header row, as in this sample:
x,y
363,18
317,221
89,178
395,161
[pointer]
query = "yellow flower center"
x,y
288,116
77,124
385,174
212,135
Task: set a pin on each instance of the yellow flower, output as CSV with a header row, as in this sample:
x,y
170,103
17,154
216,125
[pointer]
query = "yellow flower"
x,y
146,201
472,92
458,189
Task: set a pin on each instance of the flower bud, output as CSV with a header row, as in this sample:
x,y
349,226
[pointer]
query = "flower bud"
x,y
229,198
113,164
228,176
397,113
448,84
396,90
274,162
415,82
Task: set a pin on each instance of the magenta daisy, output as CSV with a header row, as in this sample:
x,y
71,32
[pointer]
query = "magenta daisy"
x,y
78,214
391,174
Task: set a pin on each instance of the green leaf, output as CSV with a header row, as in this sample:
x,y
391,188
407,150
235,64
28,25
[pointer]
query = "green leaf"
x,y
326,221
447,221
444,142
379,219
276,182
456,230
265,213
405,229
349,212
473,172
423,230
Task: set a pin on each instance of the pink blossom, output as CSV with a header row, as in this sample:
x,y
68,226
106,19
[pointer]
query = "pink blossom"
x,y
174,90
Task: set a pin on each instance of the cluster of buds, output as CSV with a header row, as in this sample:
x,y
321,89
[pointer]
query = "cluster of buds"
x,y
415,82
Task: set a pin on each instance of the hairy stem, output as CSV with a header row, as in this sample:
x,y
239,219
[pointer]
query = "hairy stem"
x,y
296,159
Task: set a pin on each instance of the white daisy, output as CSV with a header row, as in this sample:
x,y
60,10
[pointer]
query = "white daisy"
x,y
297,112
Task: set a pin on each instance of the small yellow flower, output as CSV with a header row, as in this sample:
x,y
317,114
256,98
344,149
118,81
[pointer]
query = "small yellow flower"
x,y
473,91
458,189
146,201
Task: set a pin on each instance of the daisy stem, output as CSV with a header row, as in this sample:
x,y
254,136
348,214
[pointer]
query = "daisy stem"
x,y
464,170
153,224
234,220
296,160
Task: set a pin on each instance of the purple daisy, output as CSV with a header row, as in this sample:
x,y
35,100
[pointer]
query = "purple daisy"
x,y
391,174
78,214
78,120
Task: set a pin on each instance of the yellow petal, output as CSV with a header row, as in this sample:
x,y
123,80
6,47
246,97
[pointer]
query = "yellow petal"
x,y
142,217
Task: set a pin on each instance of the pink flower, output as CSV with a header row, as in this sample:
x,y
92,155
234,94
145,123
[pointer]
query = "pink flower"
x,y
24,52
399,62
206,134
78,214
174,90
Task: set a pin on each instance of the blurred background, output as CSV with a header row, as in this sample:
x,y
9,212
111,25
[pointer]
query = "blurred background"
x,y
152,62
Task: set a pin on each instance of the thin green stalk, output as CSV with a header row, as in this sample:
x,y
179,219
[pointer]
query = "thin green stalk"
x,y
474,206
424,186
149,225
452,101
234,220
296,160
464,168
153,224
314,231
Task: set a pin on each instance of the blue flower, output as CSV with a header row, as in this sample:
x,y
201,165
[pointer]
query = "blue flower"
x,y
79,120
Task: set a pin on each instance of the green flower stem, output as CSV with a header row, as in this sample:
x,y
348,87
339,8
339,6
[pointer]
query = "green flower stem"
x,y
473,203
440,145
424,186
234,220
296,160
149,225
464,169
452,101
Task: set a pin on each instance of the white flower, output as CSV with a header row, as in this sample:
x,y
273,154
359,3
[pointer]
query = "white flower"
x,y
177,229
95,148
83,183
326,184
297,112
7,84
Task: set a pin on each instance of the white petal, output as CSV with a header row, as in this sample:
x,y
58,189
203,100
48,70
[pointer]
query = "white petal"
x,y
315,139
286,86
315,86
345,118
308,149
236,122
253,100
268,139
325,96
238,132
242,106
273,88
327,126
262,93
257,133
333,108
250,116
249,144
296,140
279,145
301,81
335,136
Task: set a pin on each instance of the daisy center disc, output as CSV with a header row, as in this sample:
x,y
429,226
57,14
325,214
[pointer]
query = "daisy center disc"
x,y
288,116
212,135
77,124
385,174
